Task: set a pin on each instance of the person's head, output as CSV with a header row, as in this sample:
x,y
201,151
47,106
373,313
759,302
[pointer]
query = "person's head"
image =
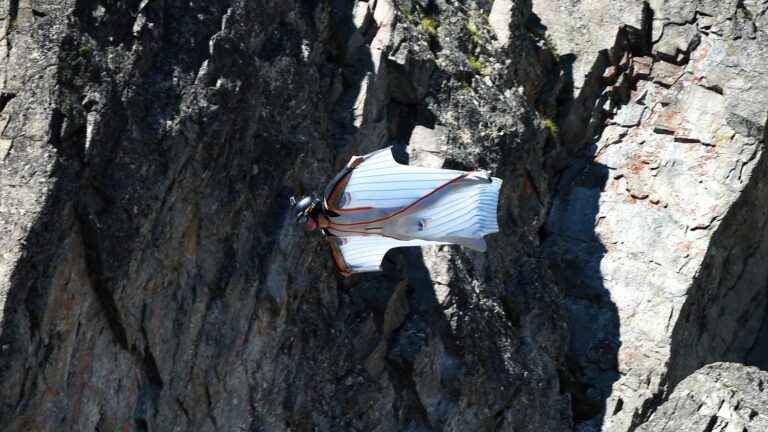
x,y
307,211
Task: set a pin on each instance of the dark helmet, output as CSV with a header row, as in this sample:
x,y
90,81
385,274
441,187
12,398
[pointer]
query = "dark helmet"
x,y
307,207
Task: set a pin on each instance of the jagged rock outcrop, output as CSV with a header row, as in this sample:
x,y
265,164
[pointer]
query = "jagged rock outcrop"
x,y
717,397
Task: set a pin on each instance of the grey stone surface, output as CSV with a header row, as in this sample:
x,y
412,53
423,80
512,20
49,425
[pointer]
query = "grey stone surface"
x,y
676,43
718,397
500,19
585,28
665,73
630,115
27,103
657,231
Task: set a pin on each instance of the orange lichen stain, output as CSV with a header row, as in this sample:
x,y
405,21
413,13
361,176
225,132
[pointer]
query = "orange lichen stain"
x,y
698,169
154,287
670,119
701,52
260,328
190,237
527,188
636,166
655,98
627,358
684,131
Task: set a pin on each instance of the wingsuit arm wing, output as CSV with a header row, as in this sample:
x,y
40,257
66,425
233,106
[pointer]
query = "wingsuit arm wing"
x,y
332,184
336,186
357,254
380,182
361,254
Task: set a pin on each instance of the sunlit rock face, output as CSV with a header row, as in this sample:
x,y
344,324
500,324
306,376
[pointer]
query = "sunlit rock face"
x,y
660,231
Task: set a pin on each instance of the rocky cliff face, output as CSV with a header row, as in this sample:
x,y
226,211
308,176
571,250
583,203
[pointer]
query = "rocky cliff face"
x,y
152,278
660,231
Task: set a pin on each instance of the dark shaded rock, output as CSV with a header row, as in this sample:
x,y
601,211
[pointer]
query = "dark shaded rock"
x,y
151,277
410,65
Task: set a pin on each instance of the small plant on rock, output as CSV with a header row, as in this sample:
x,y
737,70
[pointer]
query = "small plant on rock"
x,y
475,65
401,8
429,26
473,48
473,33
540,34
552,130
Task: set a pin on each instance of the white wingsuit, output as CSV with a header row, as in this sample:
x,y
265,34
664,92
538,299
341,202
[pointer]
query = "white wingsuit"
x,y
382,204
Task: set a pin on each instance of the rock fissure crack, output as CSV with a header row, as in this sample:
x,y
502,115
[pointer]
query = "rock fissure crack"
x,y
98,280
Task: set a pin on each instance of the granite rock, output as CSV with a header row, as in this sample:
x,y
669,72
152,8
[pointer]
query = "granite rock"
x,y
718,397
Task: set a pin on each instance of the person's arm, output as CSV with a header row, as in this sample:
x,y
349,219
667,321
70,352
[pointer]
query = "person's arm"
x,y
354,161
338,258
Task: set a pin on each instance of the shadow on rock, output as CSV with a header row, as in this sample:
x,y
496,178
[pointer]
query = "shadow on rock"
x,y
575,253
403,327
